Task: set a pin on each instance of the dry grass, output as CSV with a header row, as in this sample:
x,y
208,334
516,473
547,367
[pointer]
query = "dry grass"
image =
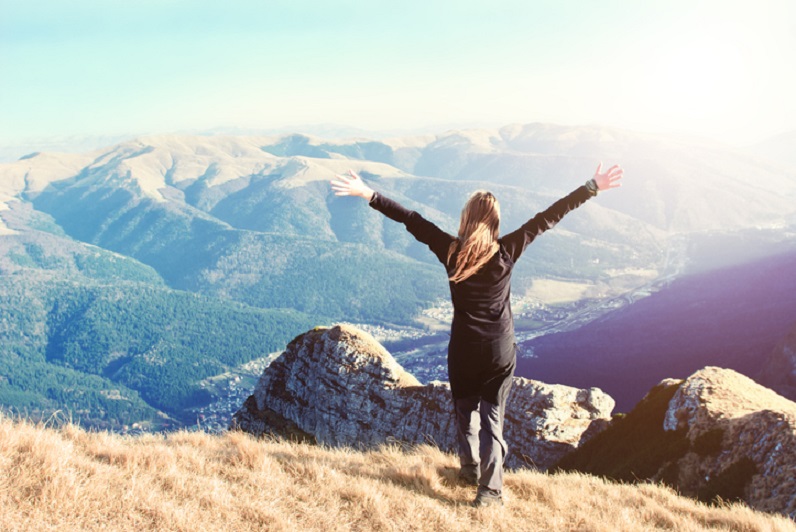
x,y
70,479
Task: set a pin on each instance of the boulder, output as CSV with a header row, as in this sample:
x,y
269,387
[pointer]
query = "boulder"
x,y
338,386
741,434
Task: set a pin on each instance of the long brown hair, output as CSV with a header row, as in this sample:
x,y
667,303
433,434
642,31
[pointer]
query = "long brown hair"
x,y
478,234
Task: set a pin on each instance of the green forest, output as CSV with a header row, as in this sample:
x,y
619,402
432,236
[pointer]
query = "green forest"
x,y
101,339
114,354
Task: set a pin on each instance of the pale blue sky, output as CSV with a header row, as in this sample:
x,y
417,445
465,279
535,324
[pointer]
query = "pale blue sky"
x,y
721,69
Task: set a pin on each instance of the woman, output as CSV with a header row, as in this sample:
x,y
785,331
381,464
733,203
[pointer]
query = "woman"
x,y
481,351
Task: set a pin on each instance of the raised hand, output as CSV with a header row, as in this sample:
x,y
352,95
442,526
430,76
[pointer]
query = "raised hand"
x,y
609,179
351,185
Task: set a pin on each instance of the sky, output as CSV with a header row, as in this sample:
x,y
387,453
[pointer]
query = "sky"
x,y
724,70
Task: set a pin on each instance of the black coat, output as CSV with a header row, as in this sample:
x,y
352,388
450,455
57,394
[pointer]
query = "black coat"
x,y
481,353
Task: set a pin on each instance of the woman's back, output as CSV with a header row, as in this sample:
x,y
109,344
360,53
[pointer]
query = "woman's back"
x,y
481,307
481,301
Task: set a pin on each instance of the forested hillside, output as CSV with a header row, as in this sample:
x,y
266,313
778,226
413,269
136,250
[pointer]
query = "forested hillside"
x,y
100,336
97,350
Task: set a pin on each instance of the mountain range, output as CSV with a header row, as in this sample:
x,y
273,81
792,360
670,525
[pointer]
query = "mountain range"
x,y
128,268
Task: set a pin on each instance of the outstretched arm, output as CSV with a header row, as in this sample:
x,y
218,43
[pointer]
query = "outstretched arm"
x,y
516,242
424,231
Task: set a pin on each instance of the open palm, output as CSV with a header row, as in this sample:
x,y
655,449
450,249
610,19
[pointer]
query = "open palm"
x,y
609,179
351,185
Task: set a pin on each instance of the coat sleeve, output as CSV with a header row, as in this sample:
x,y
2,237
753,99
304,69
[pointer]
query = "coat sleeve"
x,y
516,242
424,231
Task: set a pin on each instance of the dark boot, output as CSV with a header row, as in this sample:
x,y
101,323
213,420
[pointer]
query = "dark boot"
x,y
487,497
469,475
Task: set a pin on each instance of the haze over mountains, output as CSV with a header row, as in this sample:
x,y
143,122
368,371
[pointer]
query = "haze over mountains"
x,y
244,230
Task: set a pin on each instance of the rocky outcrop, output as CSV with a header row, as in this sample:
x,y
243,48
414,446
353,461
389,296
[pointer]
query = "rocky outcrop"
x,y
739,432
779,371
717,435
340,387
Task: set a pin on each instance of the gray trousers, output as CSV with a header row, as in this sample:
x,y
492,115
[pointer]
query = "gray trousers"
x,y
480,439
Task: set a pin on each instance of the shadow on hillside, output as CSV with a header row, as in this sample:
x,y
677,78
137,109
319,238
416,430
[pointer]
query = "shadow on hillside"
x,y
435,482
428,481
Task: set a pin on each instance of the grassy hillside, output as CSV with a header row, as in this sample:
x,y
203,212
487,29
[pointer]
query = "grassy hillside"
x,y
69,479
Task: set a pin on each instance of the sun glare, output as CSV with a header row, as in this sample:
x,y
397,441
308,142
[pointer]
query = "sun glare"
x,y
700,77
693,79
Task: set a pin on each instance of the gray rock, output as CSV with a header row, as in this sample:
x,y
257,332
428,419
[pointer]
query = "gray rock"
x,y
750,423
340,387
